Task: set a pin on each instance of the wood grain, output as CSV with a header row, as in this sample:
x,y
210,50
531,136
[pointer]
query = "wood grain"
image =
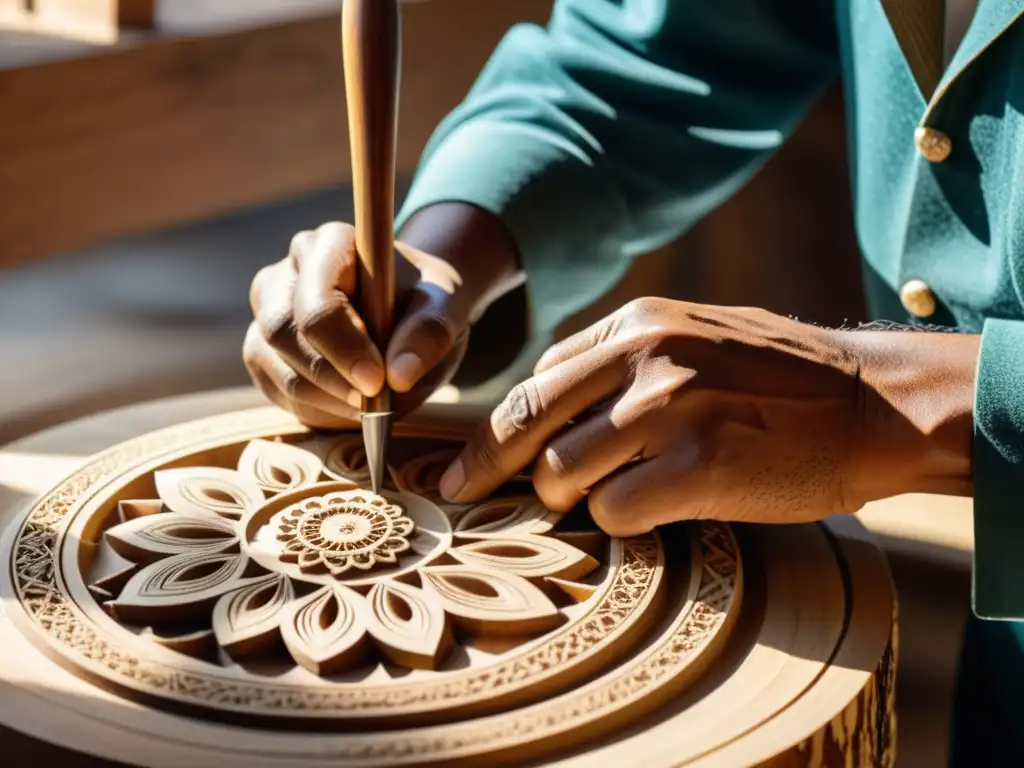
x,y
372,53
177,129
805,671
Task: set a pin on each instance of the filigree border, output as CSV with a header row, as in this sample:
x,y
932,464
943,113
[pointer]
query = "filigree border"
x,y
34,572
36,577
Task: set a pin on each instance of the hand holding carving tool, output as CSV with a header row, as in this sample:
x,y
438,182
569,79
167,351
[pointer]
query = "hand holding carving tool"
x,y
371,53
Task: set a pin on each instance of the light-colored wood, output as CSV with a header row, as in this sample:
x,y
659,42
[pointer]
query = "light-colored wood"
x,y
371,49
759,649
168,130
94,21
938,529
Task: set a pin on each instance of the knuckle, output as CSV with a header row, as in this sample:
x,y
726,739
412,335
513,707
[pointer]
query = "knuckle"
x,y
336,231
556,479
608,513
250,356
432,333
309,321
521,408
644,306
560,463
318,371
291,384
300,243
279,330
258,286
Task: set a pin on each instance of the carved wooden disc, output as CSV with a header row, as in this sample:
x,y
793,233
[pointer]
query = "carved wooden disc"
x,y
236,570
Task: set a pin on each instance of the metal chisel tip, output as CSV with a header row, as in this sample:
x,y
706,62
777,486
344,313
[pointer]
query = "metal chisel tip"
x,y
376,433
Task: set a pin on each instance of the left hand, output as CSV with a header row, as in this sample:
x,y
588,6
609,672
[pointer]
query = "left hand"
x,y
705,412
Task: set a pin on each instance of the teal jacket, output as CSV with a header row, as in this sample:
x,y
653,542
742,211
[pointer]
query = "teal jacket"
x,y
618,126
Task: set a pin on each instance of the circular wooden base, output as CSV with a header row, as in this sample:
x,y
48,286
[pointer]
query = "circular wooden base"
x,y
202,595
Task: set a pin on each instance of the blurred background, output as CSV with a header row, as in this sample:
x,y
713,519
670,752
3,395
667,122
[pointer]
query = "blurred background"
x,y
157,153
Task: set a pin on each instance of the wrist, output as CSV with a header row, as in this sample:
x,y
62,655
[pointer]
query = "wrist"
x,y
471,241
915,412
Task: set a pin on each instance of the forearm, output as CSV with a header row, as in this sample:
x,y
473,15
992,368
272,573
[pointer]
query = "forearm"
x,y
484,266
917,411
475,244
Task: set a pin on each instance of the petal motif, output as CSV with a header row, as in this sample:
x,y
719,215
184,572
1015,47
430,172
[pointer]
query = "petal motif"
x,y
310,560
204,491
178,586
404,526
491,601
409,625
277,467
509,516
394,545
325,631
346,460
151,537
249,619
532,557
422,474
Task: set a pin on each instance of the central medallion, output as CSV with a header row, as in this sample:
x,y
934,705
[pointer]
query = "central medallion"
x,y
344,531
333,533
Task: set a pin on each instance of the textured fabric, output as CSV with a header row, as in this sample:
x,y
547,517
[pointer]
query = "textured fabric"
x,y
623,122
986,733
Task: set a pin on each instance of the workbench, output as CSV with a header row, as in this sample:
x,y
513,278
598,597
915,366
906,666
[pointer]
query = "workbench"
x,y
929,624
217,107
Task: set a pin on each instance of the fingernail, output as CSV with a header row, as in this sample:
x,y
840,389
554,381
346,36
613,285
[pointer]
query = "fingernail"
x,y
453,481
405,371
367,377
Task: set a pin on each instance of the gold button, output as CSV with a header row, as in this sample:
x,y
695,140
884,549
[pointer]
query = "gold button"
x,y
933,144
918,298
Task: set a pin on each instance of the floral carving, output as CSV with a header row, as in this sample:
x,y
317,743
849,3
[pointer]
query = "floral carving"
x,y
422,474
344,530
507,516
247,619
325,631
346,460
409,625
279,467
52,617
532,557
383,583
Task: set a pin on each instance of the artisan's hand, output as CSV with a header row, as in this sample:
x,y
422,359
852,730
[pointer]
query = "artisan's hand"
x,y
308,350
685,411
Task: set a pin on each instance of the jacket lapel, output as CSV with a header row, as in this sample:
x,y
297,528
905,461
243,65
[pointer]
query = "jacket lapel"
x,y
919,26
992,19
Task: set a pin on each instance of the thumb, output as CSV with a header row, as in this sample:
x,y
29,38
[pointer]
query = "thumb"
x,y
428,330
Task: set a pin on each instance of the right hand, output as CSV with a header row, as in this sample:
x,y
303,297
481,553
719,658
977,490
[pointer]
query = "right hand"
x,y
307,349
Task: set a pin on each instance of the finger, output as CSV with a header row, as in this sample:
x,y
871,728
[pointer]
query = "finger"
x,y
528,417
428,331
437,377
271,299
668,488
306,414
579,458
578,343
324,315
264,364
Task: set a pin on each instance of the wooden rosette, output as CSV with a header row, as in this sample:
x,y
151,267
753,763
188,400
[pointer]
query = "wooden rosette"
x,y
226,592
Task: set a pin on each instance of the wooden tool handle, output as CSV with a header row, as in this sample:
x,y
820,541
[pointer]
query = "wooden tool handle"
x,y
371,51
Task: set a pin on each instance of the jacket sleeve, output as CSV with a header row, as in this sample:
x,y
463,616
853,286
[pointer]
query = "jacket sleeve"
x,y
619,125
998,583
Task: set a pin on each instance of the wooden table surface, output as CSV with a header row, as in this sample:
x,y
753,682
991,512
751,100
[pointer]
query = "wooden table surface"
x,y
928,540
215,110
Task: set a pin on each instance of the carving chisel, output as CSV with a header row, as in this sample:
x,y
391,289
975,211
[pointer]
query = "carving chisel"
x,y
371,55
